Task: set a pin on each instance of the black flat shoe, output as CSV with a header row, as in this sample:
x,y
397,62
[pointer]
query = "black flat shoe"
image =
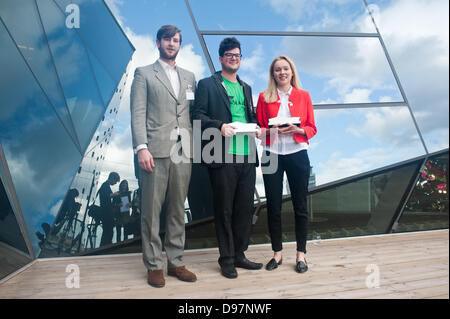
x,y
273,264
247,264
229,271
301,267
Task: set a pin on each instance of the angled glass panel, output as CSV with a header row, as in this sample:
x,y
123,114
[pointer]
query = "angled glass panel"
x,y
104,80
41,156
75,72
24,24
74,231
10,233
417,41
333,70
107,38
9,192
276,15
427,207
363,206
354,141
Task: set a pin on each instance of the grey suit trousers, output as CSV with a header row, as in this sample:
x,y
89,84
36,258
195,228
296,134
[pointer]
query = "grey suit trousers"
x,y
167,185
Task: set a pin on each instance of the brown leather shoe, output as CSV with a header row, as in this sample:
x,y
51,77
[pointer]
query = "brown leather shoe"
x,y
155,278
182,273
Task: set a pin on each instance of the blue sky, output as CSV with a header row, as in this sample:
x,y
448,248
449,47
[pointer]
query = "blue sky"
x,y
333,70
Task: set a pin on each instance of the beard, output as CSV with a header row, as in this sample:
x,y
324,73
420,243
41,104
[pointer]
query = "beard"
x,y
229,70
166,55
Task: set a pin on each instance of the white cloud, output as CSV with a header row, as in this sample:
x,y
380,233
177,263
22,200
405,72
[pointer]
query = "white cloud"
x,y
388,126
114,7
55,208
358,96
254,62
416,37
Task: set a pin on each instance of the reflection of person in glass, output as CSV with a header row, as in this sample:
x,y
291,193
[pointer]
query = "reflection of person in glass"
x,y
289,142
221,100
134,225
69,208
122,204
161,95
106,195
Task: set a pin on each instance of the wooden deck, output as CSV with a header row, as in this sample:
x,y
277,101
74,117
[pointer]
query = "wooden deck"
x,y
410,265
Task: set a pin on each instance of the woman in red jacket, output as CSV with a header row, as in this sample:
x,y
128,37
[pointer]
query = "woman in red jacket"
x,y
288,144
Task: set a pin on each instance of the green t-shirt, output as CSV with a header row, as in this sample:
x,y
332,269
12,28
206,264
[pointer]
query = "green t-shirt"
x,y
239,145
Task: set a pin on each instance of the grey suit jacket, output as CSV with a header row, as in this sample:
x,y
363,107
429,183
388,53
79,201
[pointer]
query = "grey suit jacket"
x,y
156,112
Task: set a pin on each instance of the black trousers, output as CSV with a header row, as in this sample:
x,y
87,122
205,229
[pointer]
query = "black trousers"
x,y
297,168
233,195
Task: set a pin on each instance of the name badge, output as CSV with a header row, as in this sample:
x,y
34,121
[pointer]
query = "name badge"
x,y
189,93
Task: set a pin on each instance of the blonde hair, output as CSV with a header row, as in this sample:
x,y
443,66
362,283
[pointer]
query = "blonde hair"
x,y
271,94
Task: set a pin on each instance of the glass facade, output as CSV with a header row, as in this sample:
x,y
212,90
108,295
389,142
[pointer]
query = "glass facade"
x,y
61,89
427,207
366,205
65,120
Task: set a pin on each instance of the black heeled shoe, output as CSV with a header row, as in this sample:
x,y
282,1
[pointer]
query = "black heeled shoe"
x,y
273,264
301,267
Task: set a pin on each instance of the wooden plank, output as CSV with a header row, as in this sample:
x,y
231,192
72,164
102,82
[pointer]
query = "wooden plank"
x,y
411,266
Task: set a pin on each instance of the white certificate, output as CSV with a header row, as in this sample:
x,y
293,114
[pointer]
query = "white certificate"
x,y
244,127
124,207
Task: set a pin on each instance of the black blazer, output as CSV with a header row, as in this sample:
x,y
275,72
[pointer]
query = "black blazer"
x,y
213,108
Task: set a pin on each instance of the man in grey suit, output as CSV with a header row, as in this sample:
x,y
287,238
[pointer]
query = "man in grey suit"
x,y
161,95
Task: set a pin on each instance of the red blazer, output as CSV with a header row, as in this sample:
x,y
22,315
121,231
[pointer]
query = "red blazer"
x,y
300,106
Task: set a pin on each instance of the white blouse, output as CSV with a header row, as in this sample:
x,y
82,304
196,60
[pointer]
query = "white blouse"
x,y
285,144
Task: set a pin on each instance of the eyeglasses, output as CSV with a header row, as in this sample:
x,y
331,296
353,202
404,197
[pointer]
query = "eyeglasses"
x,y
234,55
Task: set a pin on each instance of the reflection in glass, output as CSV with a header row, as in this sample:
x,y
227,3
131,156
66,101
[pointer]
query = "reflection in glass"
x,y
82,233
26,28
104,80
75,72
365,206
107,38
41,156
427,207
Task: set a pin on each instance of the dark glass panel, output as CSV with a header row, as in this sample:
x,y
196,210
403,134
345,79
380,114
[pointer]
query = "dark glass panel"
x,y
41,156
427,207
75,72
24,24
364,206
10,233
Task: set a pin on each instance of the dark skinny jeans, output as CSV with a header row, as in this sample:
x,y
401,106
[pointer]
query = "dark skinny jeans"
x,y
297,168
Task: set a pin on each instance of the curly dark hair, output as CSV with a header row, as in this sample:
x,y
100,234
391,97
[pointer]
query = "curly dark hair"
x,y
228,44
